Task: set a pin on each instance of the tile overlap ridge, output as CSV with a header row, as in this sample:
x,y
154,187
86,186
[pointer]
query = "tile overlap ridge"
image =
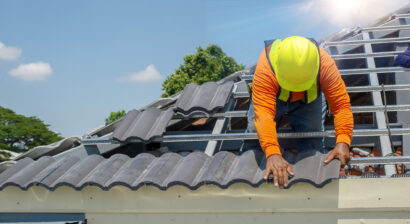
x,y
192,171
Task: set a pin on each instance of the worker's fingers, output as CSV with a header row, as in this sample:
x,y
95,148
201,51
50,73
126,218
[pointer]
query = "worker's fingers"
x,y
285,178
330,157
281,177
267,173
342,160
290,171
275,177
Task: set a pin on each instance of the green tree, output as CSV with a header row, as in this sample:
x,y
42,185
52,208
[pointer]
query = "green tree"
x,y
114,116
19,133
4,156
209,64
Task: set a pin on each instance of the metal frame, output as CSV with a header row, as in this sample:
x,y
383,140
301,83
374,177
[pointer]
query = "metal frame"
x,y
364,55
219,127
390,160
366,41
381,123
368,70
250,136
355,109
380,108
359,71
383,28
399,16
351,89
357,89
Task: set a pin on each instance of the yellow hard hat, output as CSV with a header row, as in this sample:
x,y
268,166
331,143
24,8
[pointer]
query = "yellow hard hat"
x,y
296,63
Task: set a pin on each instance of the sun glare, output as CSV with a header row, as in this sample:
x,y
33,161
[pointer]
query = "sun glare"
x,y
345,6
350,12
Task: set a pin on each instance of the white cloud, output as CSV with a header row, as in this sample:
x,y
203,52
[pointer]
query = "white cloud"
x,y
350,12
150,74
9,53
32,72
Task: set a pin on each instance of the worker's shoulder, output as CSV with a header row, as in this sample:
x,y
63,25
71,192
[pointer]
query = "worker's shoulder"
x,y
326,61
263,66
324,55
329,72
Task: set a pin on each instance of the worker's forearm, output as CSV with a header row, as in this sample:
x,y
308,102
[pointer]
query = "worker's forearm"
x,y
343,121
264,92
266,128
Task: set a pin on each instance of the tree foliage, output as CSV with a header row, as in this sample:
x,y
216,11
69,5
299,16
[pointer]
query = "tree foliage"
x,y
209,64
114,116
4,156
19,133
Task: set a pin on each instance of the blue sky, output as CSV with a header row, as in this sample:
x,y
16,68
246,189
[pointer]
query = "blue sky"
x,y
70,63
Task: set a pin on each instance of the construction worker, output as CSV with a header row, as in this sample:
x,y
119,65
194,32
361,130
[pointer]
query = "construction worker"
x,y
291,77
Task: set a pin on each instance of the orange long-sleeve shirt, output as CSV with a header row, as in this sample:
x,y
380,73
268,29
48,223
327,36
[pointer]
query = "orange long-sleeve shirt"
x,y
264,91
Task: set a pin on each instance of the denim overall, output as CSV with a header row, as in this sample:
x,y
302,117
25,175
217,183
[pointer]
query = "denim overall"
x,y
303,118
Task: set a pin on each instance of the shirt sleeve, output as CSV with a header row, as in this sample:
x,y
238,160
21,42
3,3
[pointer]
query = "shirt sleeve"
x,y
336,95
264,90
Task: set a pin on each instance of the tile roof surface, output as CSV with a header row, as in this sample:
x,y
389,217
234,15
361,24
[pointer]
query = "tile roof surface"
x,y
51,149
192,171
144,126
208,98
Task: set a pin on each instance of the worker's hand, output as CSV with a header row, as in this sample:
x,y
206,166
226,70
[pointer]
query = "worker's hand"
x,y
341,152
278,166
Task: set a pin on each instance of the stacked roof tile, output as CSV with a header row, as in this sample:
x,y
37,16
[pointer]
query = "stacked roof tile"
x,y
144,126
192,171
208,98
52,149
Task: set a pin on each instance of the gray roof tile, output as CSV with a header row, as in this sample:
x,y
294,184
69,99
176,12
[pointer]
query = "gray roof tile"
x,y
128,174
209,97
74,175
192,171
144,126
51,149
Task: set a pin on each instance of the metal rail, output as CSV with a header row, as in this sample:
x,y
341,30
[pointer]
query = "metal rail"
x,y
380,108
219,127
360,71
249,136
381,118
350,89
370,41
391,160
228,114
398,16
357,89
371,70
245,136
240,95
365,55
355,109
381,28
